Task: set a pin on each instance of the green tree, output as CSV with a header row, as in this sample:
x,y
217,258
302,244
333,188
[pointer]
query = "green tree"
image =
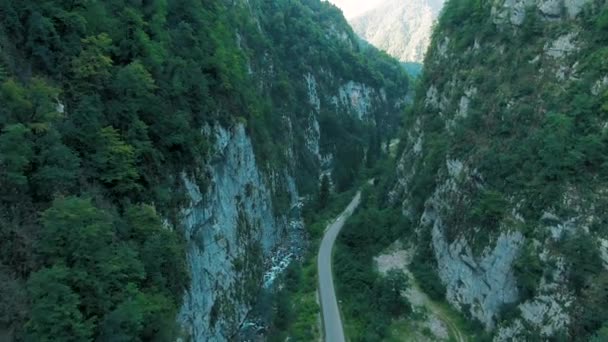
x,y
161,251
54,313
15,154
80,237
389,293
93,66
529,270
324,192
73,232
581,252
489,209
140,317
57,166
601,335
115,161
16,105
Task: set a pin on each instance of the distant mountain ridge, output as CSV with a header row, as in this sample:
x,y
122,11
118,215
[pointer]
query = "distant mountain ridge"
x,y
402,28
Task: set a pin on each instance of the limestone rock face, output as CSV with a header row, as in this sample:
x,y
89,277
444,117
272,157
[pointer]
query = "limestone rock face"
x,y
231,232
510,11
514,11
482,283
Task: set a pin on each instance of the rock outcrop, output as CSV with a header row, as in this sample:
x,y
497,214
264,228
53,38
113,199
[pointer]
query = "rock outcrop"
x,y
232,232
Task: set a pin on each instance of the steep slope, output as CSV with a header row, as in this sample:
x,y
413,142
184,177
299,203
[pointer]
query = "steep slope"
x,y
401,28
152,154
504,165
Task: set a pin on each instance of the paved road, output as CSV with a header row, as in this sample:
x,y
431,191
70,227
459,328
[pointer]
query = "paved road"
x,y
332,323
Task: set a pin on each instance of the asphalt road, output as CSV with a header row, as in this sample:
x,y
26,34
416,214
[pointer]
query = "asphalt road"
x,y
332,322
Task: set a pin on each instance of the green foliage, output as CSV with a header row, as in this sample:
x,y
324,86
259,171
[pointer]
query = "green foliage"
x,y
12,298
489,209
114,161
601,335
602,21
369,300
324,192
583,257
161,251
92,67
58,167
108,289
529,270
74,228
389,292
424,268
424,180
294,310
15,154
55,314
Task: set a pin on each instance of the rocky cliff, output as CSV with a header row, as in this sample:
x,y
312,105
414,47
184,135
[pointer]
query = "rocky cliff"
x,y
503,167
401,28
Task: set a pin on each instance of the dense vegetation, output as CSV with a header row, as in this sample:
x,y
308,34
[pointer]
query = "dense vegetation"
x,y
103,103
312,37
369,300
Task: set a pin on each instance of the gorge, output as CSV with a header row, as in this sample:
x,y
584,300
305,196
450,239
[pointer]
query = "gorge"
x,y
168,169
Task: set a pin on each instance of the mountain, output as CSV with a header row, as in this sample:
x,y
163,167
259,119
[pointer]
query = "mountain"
x,y
504,164
402,28
154,156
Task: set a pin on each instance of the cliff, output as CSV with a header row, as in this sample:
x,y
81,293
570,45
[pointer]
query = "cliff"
x,y
503,164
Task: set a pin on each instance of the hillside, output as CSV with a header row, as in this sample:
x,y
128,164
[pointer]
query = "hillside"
x,y
503,167
401,28
152,154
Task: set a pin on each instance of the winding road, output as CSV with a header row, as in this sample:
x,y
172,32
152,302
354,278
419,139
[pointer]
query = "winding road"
x,y
332,322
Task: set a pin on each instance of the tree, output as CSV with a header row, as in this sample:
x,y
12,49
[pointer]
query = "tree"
x,y
581,252
16,105
601,335
115,161
57,166
54,314
44,110
15,154
12,298
528,270
93,66
389,293
160,250
140,317
324,192
489,209
42,40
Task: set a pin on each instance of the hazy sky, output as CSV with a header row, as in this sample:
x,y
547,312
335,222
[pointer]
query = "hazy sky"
x,y
353,8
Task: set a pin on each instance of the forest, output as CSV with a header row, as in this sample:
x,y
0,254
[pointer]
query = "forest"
x,y
103,104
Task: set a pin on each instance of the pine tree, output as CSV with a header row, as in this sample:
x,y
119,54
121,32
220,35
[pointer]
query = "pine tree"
x,y
324,192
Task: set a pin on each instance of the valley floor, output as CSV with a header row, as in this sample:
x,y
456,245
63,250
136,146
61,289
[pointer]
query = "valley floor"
x,y
430,320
